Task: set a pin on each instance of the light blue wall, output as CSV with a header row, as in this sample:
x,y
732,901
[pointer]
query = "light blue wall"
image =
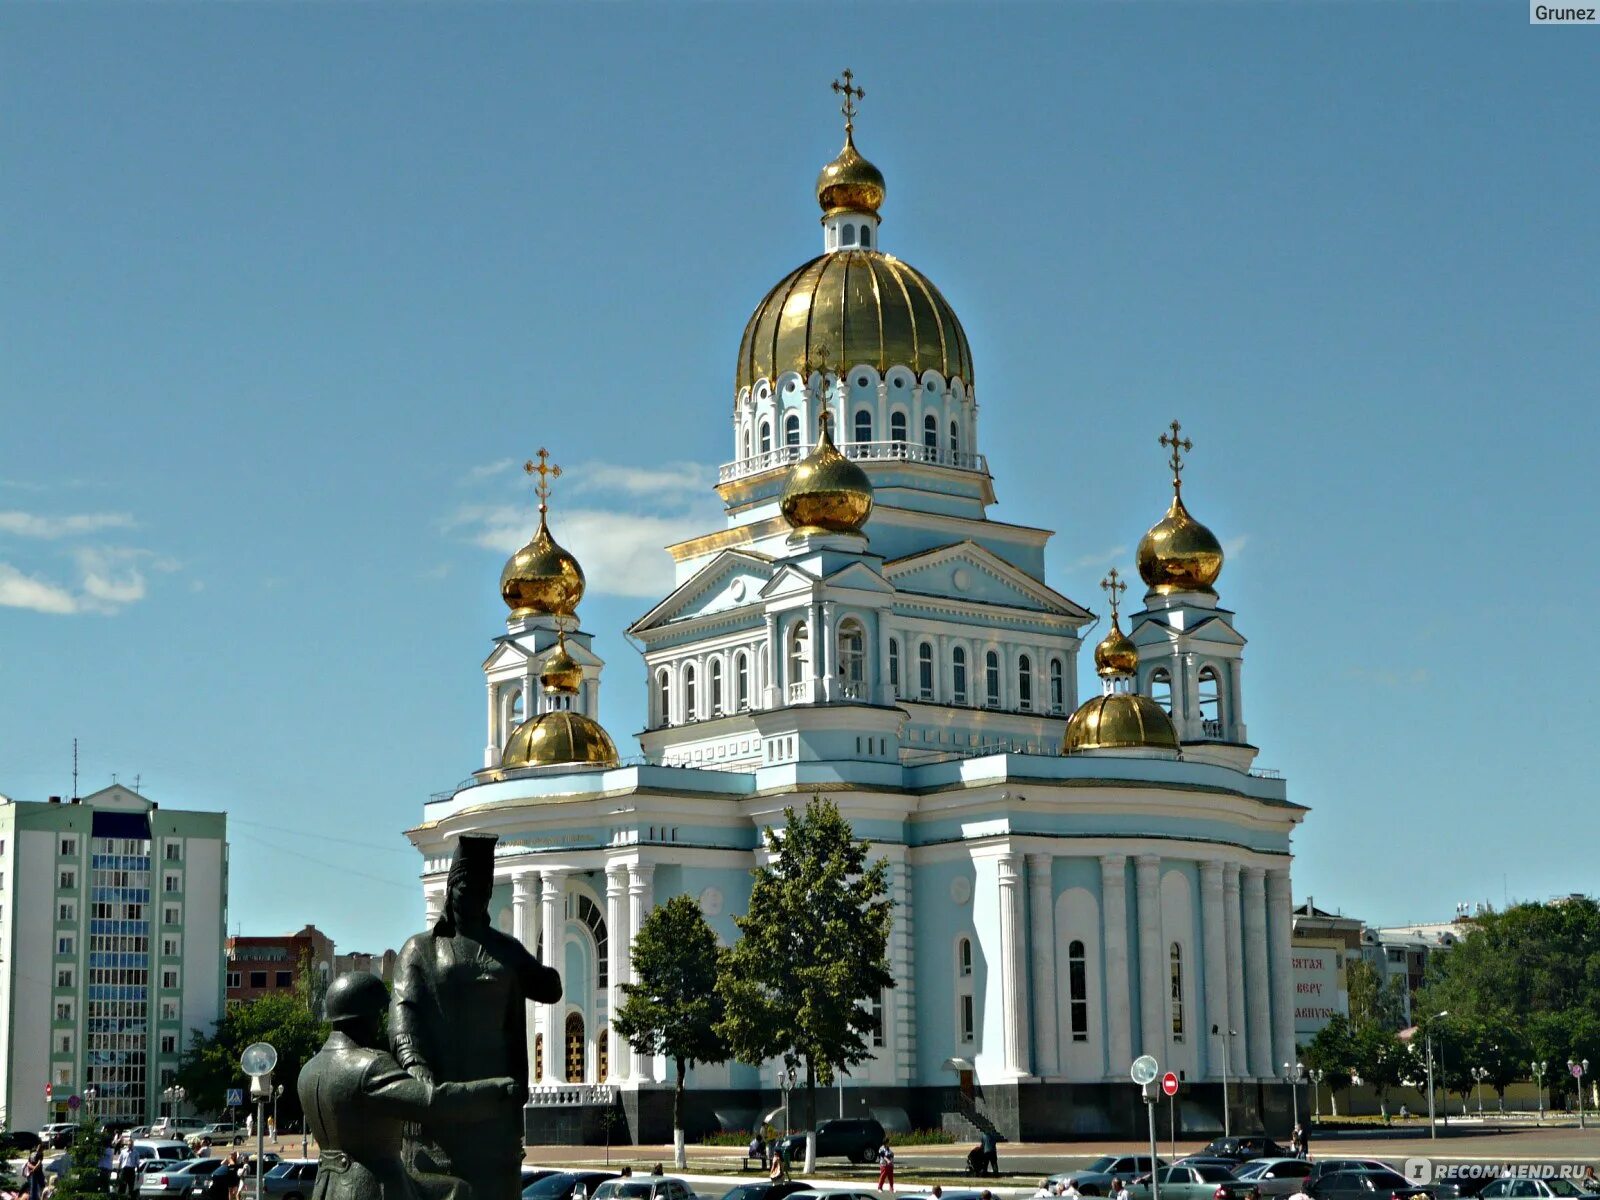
x,y
939,921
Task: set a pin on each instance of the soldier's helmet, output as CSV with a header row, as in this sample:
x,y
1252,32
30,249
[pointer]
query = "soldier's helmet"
x,y
355,996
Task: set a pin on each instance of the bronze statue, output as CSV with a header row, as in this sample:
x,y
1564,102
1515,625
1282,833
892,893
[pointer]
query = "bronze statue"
x,y
459,1013
358,1100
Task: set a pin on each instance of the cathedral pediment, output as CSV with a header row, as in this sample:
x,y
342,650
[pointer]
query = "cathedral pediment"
x,y
860,577
1212,629
966,571
731,580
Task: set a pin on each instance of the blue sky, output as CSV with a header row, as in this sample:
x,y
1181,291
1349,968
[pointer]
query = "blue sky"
x,y
287,288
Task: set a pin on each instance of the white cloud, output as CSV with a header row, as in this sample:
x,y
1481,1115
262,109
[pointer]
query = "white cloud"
x,y
489,470
1232,547
111,578
24,591
1113,557
32,525
675,480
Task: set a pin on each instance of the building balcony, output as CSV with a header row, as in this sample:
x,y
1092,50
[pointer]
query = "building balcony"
x,y
784,456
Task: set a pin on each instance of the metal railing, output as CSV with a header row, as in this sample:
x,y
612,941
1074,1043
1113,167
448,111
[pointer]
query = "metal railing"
x,y
893,451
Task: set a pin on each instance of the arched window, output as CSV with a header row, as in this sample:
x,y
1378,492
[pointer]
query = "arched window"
x,y
590,915
897,427
966,1005
1161,688
863,425
866,235
575,1047
1210,697
765,428
664,697
799,653
745,443
925,670
602,1055
1176,972
930,433
515,715
1058,687
849,232
1078,992
715,670
958,669
894,665
1025,683
955,439
741,681
991,679
964,956
691,708
853,657
791,429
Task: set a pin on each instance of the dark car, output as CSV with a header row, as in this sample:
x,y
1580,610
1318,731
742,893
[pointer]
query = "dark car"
x,y
1364,1185
1539,1187
855,1138
566,1185
1327,1166
767,1191
1096,1179
1243,1149
1266,1178
14,1143
293,1180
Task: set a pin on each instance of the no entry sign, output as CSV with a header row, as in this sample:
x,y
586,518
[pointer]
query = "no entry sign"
x,y
1169,1084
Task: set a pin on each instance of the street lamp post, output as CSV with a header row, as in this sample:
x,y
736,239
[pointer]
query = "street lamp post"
x,y
1293,1073
1316,1075
1539,1068
1479,1074
92,1093
1579,1070
277,1093
1227,1049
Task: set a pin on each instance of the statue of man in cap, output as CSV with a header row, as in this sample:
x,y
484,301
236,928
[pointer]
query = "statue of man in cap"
x,y
459,1013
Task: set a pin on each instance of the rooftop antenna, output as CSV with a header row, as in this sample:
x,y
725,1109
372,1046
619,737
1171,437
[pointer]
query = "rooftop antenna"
x,y
74,768
136,780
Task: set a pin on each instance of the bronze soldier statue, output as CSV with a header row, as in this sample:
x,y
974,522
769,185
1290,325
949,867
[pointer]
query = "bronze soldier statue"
x,y
458,1013
358,1100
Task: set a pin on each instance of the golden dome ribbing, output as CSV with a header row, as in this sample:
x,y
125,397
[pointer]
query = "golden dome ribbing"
x,y
557,738
1179,554
826,492
1119,721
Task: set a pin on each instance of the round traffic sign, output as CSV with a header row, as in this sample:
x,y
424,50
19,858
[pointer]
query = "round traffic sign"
x,y
1169,1084
1145,1069
73,1103
49,1090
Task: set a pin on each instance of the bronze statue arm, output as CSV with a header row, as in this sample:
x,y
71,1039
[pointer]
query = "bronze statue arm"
x,y
407,1021
538,983
398,1093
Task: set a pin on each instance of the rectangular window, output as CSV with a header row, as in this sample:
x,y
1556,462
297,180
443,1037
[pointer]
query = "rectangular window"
x,y
169,979
1176,976
69,847
64,1044
173,852
66,911
169,1043
169,915
169,947
877,1020
64,977
968,1022
63,1010
235,979
64,945
169,1010
68,880
170,884
258,979
284,979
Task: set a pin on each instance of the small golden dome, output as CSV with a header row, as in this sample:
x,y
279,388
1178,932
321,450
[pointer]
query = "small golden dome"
x,y
562,674
559,737
827,492
850,183
1119,721
1179,554
542,579
1115,655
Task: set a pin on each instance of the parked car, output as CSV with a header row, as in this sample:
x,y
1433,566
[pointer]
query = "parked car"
x,y
1205,1160
534,1174
1095,1179
855,1138
767,1191
648,1187
1364,1185
1184,1183
58,1134
1327,1166
180,1180
567,1185
169,1150
1243,1149
292,1179
1267,1177
15,1143
221,1133
832,1194
1526,1188
177,1127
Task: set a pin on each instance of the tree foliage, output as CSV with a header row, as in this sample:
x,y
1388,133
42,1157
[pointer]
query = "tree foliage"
x,y
673,1006
1374,1001
83,1179
813,954
1332,1051
210,1065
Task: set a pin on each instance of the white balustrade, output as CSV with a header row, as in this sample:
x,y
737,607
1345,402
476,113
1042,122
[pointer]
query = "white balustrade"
x,y
783,456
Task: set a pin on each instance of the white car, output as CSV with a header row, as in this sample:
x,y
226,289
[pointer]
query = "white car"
x,y
177,1127
644,1187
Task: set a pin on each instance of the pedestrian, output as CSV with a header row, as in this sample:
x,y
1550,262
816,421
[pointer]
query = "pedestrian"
x,y
33,1173
228,1175
128,1160
272,1129
1045,1189
778,1173
757,1149
1119,1189
627,1172
657,1170
249,1125
203,1150
1303,1150
991,1155
1071,1192
885,1165
1589,1183
937,1193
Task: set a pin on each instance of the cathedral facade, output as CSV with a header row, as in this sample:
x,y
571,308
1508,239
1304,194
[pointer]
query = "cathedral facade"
x,y
1076,880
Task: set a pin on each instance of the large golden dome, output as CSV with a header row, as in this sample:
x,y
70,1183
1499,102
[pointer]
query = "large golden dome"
x,y
1179,554
850,183
848,307
542,578
826,491
1119,721
559,737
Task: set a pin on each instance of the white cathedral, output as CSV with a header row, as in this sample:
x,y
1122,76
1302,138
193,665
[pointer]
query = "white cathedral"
x,y
1074,884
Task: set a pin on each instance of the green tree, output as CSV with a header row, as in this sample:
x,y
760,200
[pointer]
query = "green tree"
x,y
1379,1059
1374,1000
813,954
673,1006
83,1179
1332,1050
210,1065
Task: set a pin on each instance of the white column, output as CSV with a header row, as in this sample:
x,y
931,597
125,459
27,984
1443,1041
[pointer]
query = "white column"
x,y
1042,923
1237,1062
1153,1023
491,750
1213,932
1258,986
432,905
524,886
775,679
813,691
902,1033
1114,920
1280,907
551,1016
826,652
641,885
616,964
1013,965
530,694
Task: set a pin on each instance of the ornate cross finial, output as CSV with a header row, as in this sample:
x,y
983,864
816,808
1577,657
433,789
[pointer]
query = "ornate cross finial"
x,y
546,472
1113,586
851,94
1180,447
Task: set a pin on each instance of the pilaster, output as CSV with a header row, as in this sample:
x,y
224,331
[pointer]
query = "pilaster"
x,y
1013,966
641,899
1280,914
1153,1022
1213,931
1258,983
1236,1014
1042,919
618,1051
552,883
1114,919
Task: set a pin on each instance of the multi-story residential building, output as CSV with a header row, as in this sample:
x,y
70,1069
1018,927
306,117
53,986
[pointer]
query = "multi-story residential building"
x,y
1323,944
381,965
112,914
266,966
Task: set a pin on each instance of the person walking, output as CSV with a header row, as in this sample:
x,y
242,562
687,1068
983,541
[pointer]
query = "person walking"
x,y
128,1159
885,1166
33,1173
778,1173
1303,1149
228,1175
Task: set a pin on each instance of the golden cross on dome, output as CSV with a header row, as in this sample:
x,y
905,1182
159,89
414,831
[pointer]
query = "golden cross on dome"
x,y
1180,447
546,472
851,94
1113,585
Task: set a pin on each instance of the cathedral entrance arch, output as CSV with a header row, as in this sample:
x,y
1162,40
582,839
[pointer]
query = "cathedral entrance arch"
x,y
575,1047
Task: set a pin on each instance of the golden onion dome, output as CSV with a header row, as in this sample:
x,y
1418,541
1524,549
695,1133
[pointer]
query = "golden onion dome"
x,y
850,183
1119,721
557,738
826,491
562,674
849,307
542,579
1179,554
1115,655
